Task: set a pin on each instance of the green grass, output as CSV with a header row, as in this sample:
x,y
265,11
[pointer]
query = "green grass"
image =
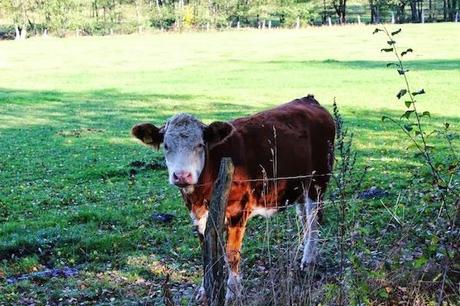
x,y
67,106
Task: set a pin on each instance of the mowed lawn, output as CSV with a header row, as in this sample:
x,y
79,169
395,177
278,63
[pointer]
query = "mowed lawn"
x,y
76,190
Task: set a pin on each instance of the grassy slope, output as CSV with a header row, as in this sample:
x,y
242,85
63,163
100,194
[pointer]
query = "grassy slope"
x,y
67,106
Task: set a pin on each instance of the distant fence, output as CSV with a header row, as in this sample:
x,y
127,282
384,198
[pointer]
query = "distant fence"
x,y
355,14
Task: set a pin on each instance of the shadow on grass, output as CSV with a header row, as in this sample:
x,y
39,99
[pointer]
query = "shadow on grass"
x,y
107,108
451,64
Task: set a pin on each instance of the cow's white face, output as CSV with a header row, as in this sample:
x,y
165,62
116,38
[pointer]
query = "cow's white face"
x,y
185,140
184,149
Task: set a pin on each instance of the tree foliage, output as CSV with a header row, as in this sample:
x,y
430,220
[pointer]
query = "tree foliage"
x,y
125,16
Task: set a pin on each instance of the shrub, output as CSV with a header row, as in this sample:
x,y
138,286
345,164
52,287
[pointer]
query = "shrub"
x,y
7,31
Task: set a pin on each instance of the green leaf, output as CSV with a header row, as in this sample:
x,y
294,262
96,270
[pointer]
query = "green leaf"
x,y
417,132
408,103
396,32
401,93
383,294
384,118
407,114
407,51
402,71
377,30
392,64
426,113
420,92
391,42
408,127
446,125
386,50
420,262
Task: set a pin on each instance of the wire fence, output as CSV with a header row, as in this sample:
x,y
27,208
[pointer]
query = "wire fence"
x,y
270,179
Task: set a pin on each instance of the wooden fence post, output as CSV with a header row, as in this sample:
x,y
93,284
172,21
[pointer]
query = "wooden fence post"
x,y
213,257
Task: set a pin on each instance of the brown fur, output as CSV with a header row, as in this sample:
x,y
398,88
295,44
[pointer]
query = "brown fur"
x,y
293,139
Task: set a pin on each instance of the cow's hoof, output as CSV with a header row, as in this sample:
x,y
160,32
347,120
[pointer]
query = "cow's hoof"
x,y
233,288
201,296
229,297
307,262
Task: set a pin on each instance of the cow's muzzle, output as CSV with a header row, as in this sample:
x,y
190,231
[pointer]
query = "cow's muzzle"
x,y
182,179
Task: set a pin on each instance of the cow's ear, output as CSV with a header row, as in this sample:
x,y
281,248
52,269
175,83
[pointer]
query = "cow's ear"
x,y
149,134
217,132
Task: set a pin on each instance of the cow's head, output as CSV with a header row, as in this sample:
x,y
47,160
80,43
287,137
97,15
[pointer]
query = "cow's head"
x,y
185,140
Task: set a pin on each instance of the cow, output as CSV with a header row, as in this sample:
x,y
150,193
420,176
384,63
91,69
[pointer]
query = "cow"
x,y
281,156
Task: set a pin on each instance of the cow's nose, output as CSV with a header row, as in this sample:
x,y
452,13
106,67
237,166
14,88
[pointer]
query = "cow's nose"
x,y
182,178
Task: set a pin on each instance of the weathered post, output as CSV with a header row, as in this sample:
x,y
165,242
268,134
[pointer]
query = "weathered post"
x,y
213,258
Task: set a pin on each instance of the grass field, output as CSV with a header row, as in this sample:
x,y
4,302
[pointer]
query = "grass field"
x,y
70,194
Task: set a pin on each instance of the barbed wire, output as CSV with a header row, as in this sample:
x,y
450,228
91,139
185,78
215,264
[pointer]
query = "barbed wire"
x,y
285,178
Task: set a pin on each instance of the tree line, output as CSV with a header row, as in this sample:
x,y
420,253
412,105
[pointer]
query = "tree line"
x,y
98,17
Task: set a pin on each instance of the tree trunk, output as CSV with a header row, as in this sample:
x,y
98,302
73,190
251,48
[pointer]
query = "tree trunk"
x,y
24,31
138,12
413,10
402,13
324,11
18,32
340,9
371,5
451,9
420,11
445,10
158,5
430,8
96,10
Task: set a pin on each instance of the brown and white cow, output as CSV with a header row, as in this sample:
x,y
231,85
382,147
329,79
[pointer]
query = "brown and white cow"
x,y
293,139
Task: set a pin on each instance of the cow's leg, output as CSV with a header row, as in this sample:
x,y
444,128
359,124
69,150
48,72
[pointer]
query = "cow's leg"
x,y
200,225
235,236
201,294
310,235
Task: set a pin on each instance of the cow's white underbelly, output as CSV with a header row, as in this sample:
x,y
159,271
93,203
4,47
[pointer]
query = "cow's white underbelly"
x,y
263,211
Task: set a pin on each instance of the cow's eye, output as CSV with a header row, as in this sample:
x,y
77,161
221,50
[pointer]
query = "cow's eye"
x,y
199,146
166,147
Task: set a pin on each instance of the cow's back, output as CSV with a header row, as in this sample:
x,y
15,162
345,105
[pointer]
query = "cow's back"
x,y
294,139
296,136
